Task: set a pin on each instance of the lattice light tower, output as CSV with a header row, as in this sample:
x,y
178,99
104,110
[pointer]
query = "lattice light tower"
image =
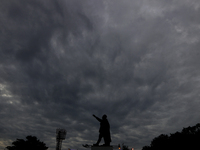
x,y
60,135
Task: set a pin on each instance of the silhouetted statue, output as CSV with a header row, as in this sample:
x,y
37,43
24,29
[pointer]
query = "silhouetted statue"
x,y
104,131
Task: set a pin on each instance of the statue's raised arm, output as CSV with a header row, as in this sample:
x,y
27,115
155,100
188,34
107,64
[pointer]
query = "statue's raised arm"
x,y
97,118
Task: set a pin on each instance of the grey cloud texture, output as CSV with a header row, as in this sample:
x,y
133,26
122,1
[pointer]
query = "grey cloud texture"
x,y
62,61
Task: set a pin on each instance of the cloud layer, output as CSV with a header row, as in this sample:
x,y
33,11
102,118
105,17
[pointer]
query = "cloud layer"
x,y
62,61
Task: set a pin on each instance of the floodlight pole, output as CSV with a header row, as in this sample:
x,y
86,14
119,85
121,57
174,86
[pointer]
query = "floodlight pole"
x,y
60,135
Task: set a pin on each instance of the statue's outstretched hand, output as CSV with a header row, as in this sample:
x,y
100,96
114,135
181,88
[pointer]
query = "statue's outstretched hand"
x,y
97,118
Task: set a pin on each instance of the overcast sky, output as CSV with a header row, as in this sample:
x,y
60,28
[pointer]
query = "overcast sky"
x,y
63,60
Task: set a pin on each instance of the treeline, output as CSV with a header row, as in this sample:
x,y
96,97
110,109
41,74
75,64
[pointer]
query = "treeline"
x,y
31,143
187,139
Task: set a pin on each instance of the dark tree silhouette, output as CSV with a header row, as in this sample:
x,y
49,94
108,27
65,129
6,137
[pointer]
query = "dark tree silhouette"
x,y
160,142
31,143
146,148
124,147
188,138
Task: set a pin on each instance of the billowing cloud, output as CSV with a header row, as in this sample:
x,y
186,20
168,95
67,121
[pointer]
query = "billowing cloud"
x,y
62,61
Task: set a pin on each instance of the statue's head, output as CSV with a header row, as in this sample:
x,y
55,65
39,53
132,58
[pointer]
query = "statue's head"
x,y
104,117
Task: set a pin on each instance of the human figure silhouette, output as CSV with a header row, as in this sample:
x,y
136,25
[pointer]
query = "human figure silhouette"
x,y
104,131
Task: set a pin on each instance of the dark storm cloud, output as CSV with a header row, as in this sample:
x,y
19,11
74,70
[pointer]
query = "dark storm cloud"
x,y
62,61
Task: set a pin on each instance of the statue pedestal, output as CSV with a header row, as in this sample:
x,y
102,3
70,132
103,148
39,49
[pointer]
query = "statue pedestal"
x,y
101,148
